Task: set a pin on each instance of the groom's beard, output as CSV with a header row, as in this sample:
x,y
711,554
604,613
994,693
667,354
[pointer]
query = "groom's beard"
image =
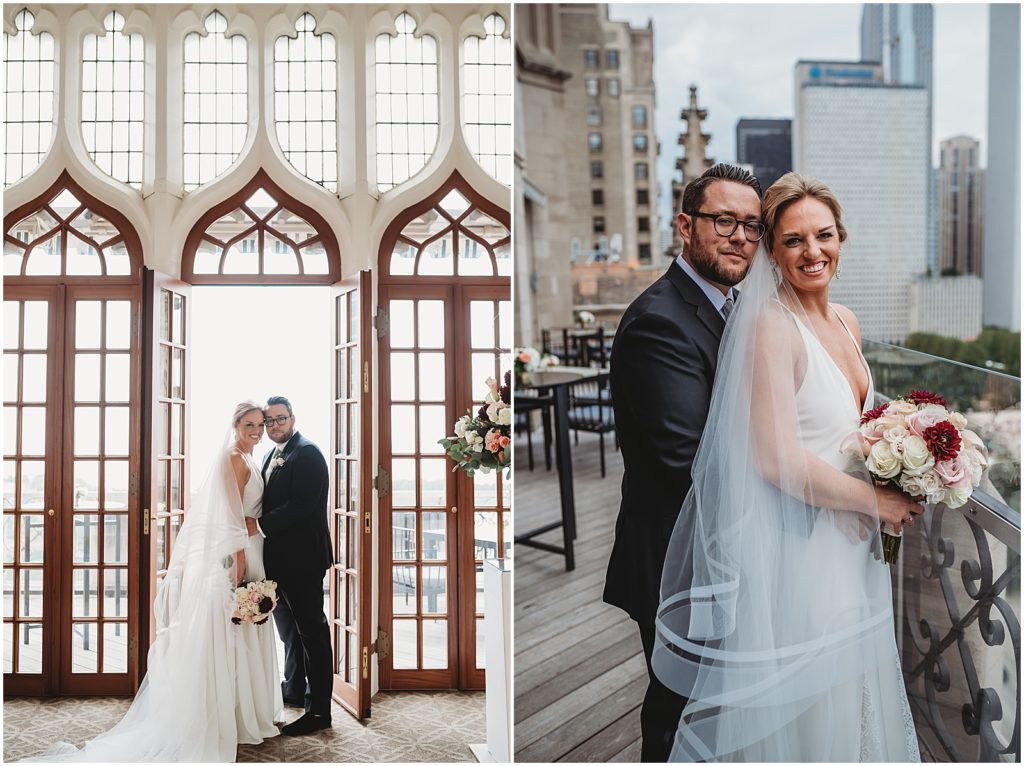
x,y
281,438
704,258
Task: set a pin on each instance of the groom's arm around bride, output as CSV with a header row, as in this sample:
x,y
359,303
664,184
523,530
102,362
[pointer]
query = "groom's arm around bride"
x,y
662,370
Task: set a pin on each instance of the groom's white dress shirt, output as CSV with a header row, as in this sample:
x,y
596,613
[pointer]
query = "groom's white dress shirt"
x,y
716,296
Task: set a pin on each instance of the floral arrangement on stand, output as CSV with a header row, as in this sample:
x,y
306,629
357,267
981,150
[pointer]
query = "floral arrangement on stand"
x,y
531,360
254,601
917,445
481,440
584,319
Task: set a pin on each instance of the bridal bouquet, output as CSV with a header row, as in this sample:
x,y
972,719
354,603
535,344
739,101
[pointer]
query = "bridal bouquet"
x,y
531,360
915,444
254,601
481,441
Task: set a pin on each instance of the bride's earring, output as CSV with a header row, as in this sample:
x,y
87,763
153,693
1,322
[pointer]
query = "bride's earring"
x,y
775,267
839,270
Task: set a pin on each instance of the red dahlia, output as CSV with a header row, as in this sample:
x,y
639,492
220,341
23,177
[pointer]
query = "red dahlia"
x,y
926,397
943,441
870,415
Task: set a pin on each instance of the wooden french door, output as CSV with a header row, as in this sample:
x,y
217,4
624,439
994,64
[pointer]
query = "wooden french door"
x,y
351,477
71,575
434,535
166,330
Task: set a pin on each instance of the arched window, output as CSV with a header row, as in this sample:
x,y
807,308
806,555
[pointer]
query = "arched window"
x,y
67,233
405,68
28,81
261,234
487,98
113,93
452,237
305,95
216,106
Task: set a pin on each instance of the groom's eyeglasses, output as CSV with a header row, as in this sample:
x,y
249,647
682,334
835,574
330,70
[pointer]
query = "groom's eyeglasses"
x,y
725,225
278,420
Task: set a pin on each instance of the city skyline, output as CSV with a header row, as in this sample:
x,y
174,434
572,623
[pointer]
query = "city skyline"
x,y
697,55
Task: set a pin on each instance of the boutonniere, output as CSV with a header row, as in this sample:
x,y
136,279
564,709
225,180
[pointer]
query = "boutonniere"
x,y
279,461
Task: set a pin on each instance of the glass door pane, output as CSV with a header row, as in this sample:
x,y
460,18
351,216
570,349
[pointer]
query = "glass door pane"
x,y
31,407
351,513
101,465
421,513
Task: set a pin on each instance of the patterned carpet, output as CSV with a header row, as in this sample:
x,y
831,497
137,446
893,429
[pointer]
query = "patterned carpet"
x,y
405,726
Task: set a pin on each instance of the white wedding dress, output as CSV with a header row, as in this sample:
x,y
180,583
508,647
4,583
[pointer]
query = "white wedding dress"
x,y
776,619
210,685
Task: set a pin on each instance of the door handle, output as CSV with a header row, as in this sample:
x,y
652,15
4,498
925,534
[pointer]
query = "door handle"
x,y
455,509
50,512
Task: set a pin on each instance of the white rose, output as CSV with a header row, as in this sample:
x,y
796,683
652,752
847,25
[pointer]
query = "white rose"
x,y
959,421
478,446
926,485
460,427
975,463
505,416
900,407
954,497
493,411
916,457
882,461
895,436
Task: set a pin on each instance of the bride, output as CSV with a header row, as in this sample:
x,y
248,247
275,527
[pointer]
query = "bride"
x,y
776,616
210,685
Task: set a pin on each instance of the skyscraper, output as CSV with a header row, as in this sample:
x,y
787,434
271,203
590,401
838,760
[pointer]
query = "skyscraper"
x,y
867,141
767,146
900,36
961,183
1002,176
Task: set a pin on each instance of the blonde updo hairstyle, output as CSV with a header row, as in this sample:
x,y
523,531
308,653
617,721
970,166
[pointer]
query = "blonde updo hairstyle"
x,y
242,409
791,188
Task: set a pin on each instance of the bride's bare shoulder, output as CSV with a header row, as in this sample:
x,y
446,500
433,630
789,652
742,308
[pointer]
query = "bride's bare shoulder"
x,y
849,318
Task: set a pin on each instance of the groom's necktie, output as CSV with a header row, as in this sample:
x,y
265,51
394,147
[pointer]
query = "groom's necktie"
x,y
727,308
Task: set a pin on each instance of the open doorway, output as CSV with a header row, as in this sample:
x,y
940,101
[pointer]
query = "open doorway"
x,y
256,342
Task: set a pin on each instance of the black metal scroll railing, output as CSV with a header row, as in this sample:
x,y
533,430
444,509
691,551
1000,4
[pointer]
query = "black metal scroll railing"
x,y
958,589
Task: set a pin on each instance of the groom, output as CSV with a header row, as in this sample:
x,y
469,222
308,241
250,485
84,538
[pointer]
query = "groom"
x,y
297,553
662,369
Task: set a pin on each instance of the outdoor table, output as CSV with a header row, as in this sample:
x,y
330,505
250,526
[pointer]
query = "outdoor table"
x,y
556,381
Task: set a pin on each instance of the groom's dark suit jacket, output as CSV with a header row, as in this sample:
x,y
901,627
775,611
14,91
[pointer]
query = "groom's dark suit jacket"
x,y
662,369
295,513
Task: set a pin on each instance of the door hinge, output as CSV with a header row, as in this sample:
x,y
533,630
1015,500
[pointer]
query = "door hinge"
x,y
367,527
145,521
382,481
382,646
366,377
135,324
382,323
366,662
133,484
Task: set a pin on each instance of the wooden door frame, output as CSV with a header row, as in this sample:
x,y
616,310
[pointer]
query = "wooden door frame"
x,y
470,677
120,683
47,682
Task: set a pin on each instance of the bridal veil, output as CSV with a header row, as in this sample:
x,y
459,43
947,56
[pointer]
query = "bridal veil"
x,y
775,619
185,707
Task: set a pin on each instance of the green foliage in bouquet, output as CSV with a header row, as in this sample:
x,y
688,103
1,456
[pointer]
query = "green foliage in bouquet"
x,y
482,441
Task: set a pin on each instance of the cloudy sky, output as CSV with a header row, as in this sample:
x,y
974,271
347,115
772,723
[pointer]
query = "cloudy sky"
x,y
741,58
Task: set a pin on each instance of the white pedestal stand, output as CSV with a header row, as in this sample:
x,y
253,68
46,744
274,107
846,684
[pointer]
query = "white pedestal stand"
x,y
498,660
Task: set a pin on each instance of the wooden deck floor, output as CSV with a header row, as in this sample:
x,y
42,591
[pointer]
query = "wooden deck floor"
x,y
579,668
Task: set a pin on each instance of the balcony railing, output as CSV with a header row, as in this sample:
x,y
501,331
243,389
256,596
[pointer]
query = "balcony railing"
x,y
956,588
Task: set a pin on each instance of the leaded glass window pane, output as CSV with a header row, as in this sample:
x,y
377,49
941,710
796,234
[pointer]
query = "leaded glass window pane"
x,y
487,98
113,96
406,103
216,104
305,98
29,73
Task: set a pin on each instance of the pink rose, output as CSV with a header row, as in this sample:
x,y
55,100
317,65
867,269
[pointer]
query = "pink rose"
x,y
874,431
951,471
503,441
493,441
255,597
919,422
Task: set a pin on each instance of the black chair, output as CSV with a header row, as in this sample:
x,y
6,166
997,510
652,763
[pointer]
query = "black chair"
x,y
522,407
590,410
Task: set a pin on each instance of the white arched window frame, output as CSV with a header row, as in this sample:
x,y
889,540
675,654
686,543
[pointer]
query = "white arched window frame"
x,y
113,90
29,76
406,101
486,85
306,101
216,104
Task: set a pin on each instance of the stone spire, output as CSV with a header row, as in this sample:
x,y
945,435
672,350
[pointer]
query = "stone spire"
x,y
694,160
